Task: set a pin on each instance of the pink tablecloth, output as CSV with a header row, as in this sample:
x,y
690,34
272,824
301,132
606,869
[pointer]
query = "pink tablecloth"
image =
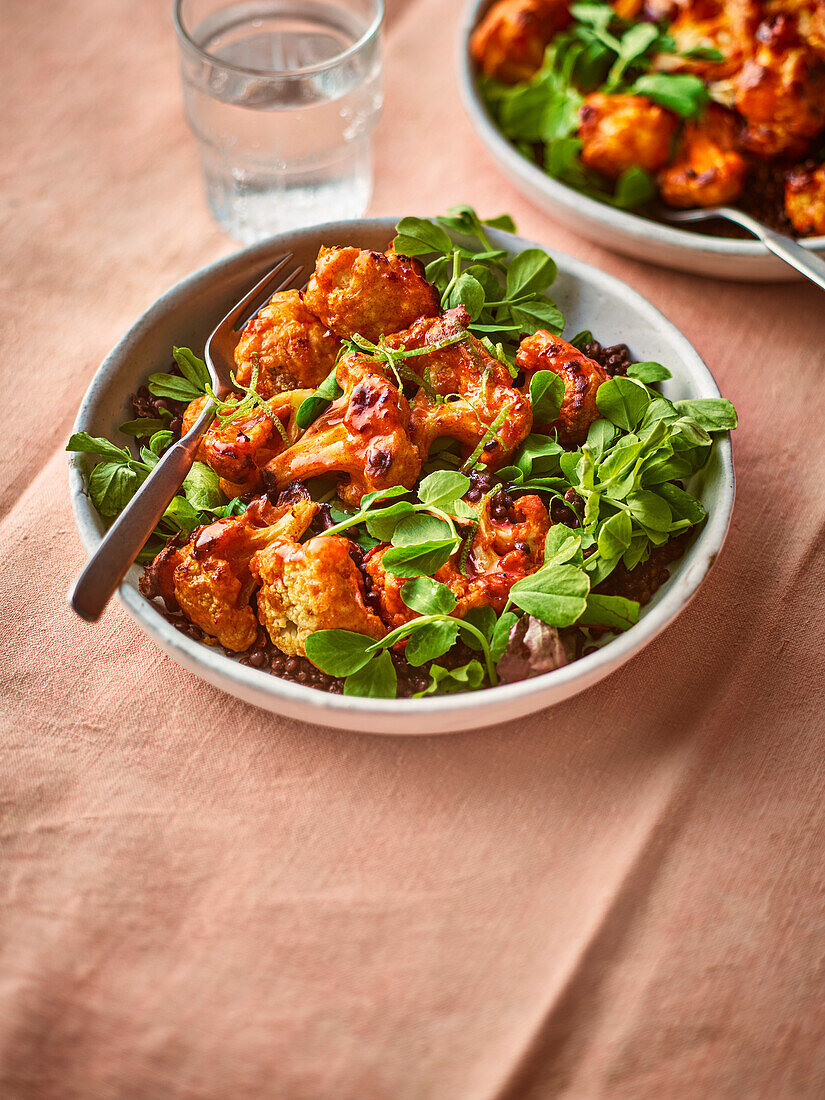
x,y
620,897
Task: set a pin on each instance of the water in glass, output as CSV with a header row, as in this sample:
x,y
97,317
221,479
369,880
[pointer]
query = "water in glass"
x,y
284,128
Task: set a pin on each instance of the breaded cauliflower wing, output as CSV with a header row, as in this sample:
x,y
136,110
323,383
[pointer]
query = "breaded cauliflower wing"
x,y
309,587
805,199
238,450
469,394
810,20
510,41
624,131
707,169
581,376
727,26
501,553
370,293
363,436
514,544
290,346
209,578
780,92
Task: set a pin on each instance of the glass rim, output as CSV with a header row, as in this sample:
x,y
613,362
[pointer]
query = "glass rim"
x,y
306,70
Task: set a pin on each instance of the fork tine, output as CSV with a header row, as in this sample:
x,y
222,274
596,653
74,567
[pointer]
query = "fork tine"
x,y
267,292
238,310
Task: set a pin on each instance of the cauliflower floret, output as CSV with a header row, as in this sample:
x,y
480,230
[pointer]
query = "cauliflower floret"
x,y
363,435
510,41
309,587
478,389
502,551
810,20
581,376
514,543
624,131
290,346
805,199
237,451
371,293
780,92
209,578
707,170
725,25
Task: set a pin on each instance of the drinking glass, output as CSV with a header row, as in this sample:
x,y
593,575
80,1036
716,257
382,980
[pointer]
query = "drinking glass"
x,y
282,96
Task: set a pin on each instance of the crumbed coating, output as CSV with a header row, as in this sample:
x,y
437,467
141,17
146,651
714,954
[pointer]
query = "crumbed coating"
x,y
581,376
237,451
624,131
309,587
363,437
728,26
501,553
370,293
510,41
780,92
478,389
291,347
805,199
707,169
810,20
208,578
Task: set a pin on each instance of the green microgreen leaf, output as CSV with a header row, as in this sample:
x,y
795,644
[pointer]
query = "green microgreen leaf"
x,y
443,487
339,652
312,407
714,414
484,619
144,425
648,372
428,596
419,237
546,396
501,634
610,612
202,489
561,545
111,486
530,272
555,594
446,681
192,368
376,679
432,641
83,443
420,559
682,93
622,402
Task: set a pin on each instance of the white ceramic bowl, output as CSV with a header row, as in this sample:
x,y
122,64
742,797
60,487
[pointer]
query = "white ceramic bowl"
x,y
630,234
590,299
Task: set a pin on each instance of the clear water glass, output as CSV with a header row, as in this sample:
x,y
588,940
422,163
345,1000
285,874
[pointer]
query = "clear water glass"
x,y
282,96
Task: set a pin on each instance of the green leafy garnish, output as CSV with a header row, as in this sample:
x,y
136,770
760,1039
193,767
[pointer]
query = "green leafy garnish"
x,y
504,298
312,407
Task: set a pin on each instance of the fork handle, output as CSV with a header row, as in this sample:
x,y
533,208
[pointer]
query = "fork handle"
x,y
786,248
126,537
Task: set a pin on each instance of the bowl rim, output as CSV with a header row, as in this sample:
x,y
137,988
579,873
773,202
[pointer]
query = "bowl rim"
x,y
697,561
608,217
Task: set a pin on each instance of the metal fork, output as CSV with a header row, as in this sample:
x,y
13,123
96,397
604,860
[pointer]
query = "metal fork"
x,y
126,537
786,248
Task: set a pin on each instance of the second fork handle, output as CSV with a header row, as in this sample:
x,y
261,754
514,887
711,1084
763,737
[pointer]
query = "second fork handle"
x,y
126,537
